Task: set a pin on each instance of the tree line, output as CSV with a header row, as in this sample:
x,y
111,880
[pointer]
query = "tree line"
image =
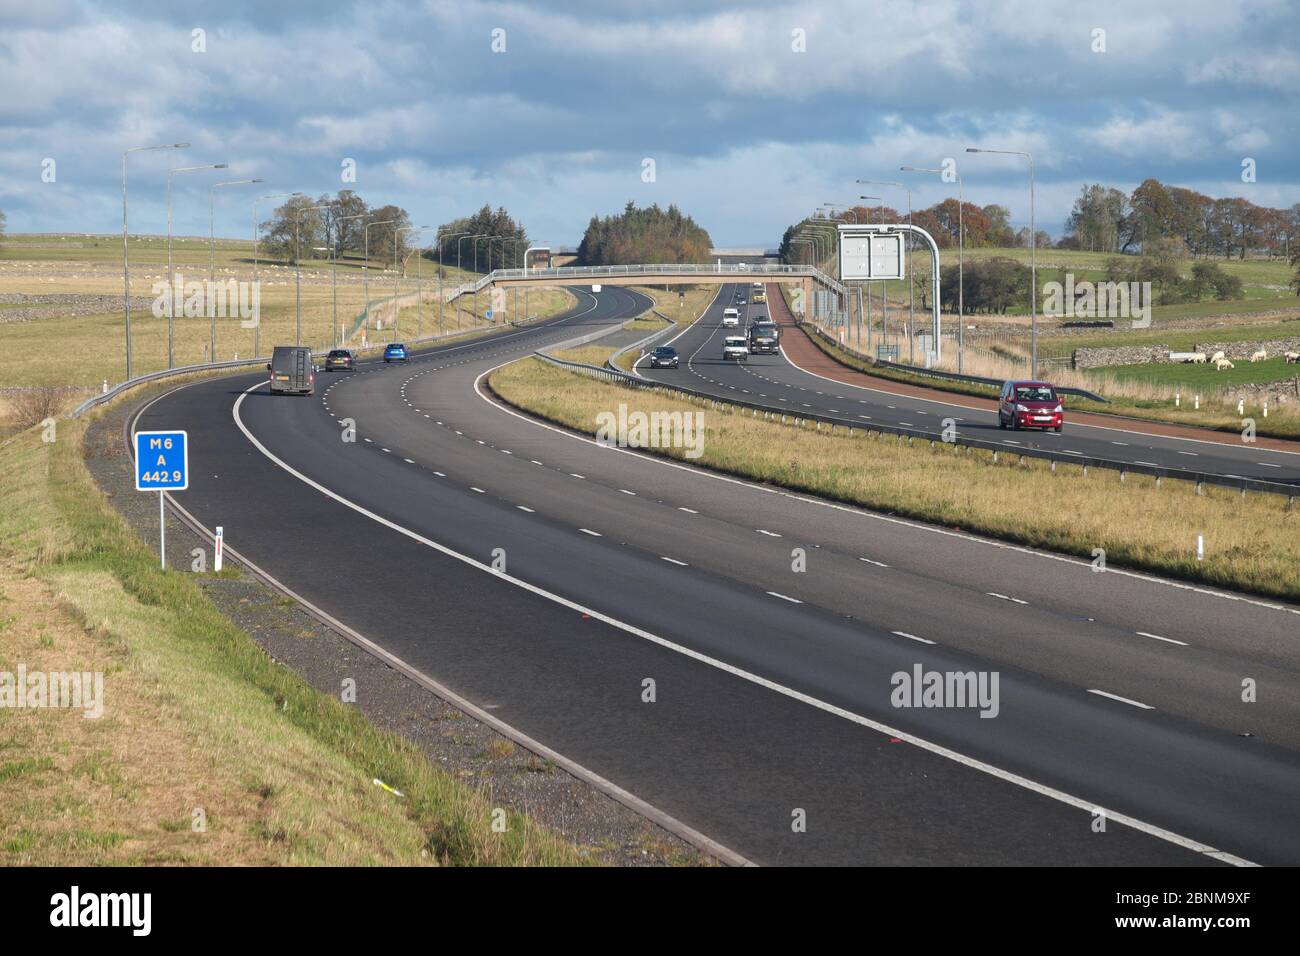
x,y
645,235
486,240
1105,219
983,226
303,228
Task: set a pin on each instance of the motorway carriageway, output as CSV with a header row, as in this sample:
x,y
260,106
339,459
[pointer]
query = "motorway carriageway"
x,y
854,398
773,688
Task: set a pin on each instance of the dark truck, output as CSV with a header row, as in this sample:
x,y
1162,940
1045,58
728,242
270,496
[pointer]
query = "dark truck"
x,y
764,338
291,370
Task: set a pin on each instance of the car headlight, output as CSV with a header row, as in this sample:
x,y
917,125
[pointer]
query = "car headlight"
x,y
1058,409
1021,408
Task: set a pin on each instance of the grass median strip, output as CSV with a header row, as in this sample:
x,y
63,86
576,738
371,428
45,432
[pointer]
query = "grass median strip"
x,y
1251,543
198,723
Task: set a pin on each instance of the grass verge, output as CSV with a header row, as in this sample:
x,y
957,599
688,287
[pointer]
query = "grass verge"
x,y
1251,543
197,719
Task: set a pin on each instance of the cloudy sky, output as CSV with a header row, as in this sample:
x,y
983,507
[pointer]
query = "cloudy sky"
x,y
752,113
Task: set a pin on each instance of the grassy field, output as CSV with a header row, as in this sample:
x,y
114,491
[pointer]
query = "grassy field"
x,y
86,348
196,717
1251,544
1203,378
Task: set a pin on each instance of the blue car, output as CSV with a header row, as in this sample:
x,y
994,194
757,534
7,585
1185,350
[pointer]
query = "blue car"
x,y
396,352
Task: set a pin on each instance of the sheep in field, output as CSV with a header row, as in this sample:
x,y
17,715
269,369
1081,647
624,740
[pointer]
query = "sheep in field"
x,y
1217,357
1293,357
1259,356
1222,364
1197,358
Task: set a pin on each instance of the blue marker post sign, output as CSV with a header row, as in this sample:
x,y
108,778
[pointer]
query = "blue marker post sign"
x,y
162,464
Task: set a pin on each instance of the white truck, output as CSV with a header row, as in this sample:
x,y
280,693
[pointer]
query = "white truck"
x,y
731,318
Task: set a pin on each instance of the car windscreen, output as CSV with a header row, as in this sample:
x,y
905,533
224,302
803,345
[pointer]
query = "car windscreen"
x,y
1034,393
665,352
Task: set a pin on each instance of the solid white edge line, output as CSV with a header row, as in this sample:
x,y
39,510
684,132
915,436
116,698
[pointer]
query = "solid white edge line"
x,y
937,749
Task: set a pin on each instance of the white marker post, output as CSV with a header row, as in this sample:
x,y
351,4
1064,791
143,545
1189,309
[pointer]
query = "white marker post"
x,y
1200,547
216,560
162,531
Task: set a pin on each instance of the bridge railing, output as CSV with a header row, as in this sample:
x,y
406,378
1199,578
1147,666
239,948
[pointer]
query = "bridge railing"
x,y
589,273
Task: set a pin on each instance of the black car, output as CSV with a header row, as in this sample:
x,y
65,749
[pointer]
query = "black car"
x,y
665,356
339,359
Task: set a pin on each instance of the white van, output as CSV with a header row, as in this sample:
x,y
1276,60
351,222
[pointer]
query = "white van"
x,y
731,318
735,347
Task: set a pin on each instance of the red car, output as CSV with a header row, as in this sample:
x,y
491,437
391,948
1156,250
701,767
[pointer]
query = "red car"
x,y
1030,405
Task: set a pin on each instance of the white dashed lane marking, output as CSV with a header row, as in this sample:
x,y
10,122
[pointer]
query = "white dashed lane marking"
x,y
1122,700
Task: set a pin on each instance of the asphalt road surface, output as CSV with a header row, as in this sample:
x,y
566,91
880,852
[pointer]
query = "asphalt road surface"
x,y
774,381
551,579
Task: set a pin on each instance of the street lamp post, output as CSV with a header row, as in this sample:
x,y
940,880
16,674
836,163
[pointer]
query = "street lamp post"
x,y
397,236
171,279
884,286
473,242
365,266
833,240
961,271
911,288
126,268
334,272
257,329
212,257
297,262
441,295
1033,258
336,241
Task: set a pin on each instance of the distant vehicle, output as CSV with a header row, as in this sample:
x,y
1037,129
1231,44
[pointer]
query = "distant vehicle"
x,y
758,286
1030,405
291,370
742,266
665,356
735,347
339,359
763,339
396,352
740,298
767,325
731,318
760,295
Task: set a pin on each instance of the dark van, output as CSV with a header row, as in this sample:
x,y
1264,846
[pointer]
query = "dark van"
x,y
291,370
